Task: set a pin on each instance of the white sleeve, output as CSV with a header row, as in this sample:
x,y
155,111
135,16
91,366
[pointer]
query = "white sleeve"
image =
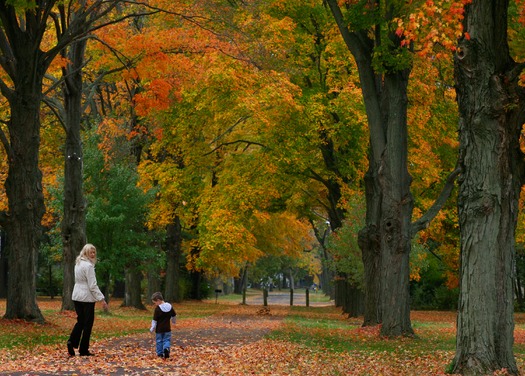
x,y
153,326
92,284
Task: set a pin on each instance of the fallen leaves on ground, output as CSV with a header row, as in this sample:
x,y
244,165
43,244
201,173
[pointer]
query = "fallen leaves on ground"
x,y
233,341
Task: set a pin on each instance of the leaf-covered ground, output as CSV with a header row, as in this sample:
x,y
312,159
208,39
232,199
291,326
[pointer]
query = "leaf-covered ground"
x,y
217,339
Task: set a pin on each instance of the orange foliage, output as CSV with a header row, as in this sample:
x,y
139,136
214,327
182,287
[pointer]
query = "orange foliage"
x,y
435,22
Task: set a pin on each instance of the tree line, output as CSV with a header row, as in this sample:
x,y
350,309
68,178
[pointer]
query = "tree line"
x,y
224,132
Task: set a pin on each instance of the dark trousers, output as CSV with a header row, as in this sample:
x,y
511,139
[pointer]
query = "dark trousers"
x,y
81,332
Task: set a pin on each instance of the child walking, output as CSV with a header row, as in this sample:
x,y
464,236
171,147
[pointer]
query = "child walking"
x,y
163,316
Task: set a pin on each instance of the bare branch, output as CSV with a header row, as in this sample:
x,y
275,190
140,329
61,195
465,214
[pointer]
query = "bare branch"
x,y
230,129
7,58
249,143
91,88
5,142
318,177
56,107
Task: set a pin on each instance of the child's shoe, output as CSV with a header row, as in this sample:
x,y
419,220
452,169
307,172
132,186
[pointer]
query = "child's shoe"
x,y
166,353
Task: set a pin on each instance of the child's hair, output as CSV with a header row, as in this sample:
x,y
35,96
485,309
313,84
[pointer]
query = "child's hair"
x,y
156,296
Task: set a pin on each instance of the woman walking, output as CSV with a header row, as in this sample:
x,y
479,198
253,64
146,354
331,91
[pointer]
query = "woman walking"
x,y
85,294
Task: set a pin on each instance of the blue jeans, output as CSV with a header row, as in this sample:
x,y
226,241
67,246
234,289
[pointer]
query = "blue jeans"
x,y
163,341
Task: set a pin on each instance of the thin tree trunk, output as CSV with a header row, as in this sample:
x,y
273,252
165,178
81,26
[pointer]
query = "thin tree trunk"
x,y
173,254
327,277
491,107
74,220
239,284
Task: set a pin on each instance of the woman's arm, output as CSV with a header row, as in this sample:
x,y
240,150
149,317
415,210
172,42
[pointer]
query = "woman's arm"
x,y
92,284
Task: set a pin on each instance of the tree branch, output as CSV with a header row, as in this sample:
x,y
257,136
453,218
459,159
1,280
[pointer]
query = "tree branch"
x,y
431,213
6,143
236,142
56,107
241,120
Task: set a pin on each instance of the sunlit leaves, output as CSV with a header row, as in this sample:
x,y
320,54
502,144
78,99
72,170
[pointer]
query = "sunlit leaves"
x,y
433,23
433,152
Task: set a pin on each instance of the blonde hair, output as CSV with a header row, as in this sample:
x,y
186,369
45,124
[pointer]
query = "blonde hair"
x,y
84,253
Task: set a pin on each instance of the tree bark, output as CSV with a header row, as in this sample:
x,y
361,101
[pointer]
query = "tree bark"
x,y
24,182
396,211
491,115
25,62
154,283
133,295
3,265
26,200
239,284
385,240
74,220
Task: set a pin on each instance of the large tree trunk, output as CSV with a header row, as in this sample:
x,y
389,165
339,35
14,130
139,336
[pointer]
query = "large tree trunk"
x,y
385,240
3,265
396,212
154,283
369,243
24,192
491,107
173,254
74,220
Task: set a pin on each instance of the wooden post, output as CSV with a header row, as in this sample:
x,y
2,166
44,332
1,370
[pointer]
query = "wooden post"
x,y
307,297
291,297
265,298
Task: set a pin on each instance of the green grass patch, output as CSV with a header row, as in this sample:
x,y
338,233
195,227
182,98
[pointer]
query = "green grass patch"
x,y
336,333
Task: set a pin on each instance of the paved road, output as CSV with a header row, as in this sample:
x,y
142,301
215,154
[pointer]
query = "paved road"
x,y
283,298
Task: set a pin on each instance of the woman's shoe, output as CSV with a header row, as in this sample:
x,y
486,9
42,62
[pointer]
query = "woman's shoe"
x,y
86,354
70,349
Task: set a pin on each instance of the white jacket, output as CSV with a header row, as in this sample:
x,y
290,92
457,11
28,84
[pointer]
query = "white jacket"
x,y
86,289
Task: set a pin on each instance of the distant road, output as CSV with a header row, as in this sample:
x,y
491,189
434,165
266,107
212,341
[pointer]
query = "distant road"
x,y
283,298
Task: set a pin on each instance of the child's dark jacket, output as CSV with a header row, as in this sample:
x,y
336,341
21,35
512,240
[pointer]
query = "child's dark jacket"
x,y
163,314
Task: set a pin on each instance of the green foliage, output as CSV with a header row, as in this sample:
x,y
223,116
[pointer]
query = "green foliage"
x,y
22,4
270,268
516,31
344,248
430,292
116,212
362,15
390,58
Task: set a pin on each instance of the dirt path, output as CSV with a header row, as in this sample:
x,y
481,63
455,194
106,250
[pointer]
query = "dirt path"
x,y
197,344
